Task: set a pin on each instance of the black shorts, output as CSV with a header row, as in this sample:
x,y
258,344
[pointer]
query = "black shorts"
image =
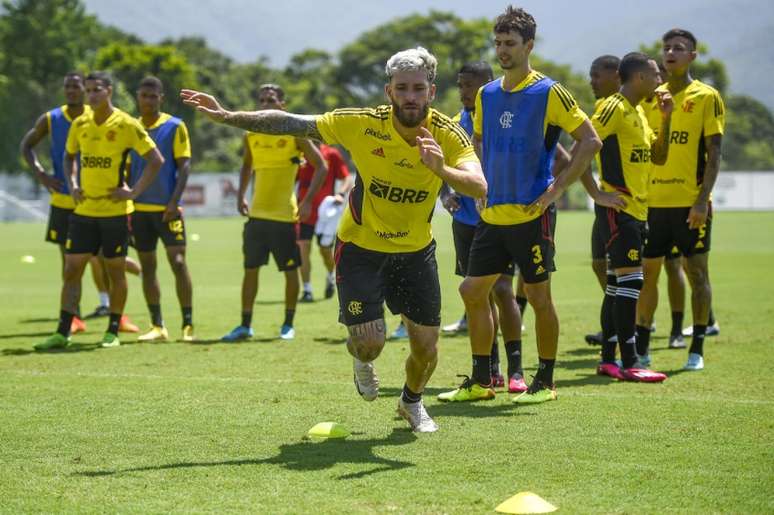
x,y
90,234
623,235
58,222
674,253
529,245
597,241
148,227
306,233
463,239
408,282
668,228
261,237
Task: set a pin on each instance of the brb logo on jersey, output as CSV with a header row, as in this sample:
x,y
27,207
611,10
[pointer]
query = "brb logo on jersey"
x,y
96,162
383,189
506,119
639,155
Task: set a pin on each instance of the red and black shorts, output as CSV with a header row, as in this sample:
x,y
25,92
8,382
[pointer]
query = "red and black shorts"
x,y
623,235
92,234
463,239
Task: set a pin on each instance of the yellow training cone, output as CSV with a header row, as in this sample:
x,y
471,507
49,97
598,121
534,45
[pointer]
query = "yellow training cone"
x,y
327,430
195,237
526,502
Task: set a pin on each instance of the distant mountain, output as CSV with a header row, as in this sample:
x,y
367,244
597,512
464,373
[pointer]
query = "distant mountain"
x,y
737,31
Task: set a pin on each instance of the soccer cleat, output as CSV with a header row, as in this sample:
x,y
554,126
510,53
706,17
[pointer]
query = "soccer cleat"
x,y
306,297
126,326
55,341
537,392
155,334
330,289
594,339
460,326
516,384
712,330
399,333
469,390
188,335
640,374
238,333
677,341
366,382
287,332
77,326
110,340
498,381
609,369
417,417
100,311
644,359
695,362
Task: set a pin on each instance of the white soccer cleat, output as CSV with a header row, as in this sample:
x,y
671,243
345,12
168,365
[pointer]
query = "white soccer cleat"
x,y
677,342
695,362
417,417
460,326
366,382
712,330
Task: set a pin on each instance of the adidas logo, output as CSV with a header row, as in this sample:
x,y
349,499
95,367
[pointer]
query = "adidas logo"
x,y
378,152
540,270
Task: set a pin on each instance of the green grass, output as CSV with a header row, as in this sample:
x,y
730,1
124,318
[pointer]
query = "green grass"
x,y
214,427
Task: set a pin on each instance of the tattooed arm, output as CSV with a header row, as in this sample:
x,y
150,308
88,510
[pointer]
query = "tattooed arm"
x,y
265,122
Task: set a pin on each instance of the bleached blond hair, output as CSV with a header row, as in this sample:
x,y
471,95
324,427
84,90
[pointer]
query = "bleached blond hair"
x,y
413,59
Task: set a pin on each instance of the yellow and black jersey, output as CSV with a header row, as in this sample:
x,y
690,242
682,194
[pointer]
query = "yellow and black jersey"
x,y
698,112
625,156
392,203
275,161
104,150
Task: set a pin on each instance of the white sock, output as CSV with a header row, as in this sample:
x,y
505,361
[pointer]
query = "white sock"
x,y
307,287
104,299
331,277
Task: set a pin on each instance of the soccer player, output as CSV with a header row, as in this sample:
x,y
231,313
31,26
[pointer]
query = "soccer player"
x,y
517,123
157,210
604,81
103,201
272,216
471,77
403,152
337,171
628,148
680,211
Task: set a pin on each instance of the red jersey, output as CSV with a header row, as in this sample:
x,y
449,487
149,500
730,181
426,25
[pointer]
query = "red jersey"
x,y
337,169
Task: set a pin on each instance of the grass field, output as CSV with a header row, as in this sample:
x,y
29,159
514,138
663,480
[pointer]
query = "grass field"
x,y
213,427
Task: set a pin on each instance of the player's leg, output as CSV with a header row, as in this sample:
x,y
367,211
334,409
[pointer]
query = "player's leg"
x,y
286,254
133,267
658,243
510,327
114,237
70,297
56,232
255,254
176,256
102,284
305,233
326,253
420,364
701,300
463,238
676,289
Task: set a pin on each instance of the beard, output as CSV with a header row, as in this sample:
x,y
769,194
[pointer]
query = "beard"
x,y
410,119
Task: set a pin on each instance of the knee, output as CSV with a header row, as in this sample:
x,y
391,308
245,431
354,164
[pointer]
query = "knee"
x,y
540,301
471,294
365,347
177,262
427,352
503,290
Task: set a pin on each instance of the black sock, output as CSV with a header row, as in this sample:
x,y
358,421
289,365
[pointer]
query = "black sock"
x,y
410,397
155,313
643,340
522,302
481,370
247,318
607,319
697,342
629,286
187,316
65,321
546,371
513,352
494,358
113,323
78,311
677,323
289,314
711,319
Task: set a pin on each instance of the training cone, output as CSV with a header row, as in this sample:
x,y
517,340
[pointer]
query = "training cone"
x,y
195,237
28,259
526,502
326,430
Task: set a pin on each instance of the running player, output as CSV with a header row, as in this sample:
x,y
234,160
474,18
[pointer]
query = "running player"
x,y
103,202
628,148
517,122
403,152
337,171
680,211
157,210
471,77
272,216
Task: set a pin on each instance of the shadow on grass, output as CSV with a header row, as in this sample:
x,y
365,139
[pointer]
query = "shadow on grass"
x,y
217,341
590,364
330,341
269,302
302,456
73,347
24,335
591,379
37,320
583,351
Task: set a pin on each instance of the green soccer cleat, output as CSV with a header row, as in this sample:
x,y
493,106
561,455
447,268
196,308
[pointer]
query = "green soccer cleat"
x,y
55,341
468,391
110,340
537,393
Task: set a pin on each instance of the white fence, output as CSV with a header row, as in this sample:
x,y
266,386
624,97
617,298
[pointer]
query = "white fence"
x,y
214,194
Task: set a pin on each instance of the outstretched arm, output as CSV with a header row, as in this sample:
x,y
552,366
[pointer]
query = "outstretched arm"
x,y
265,122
